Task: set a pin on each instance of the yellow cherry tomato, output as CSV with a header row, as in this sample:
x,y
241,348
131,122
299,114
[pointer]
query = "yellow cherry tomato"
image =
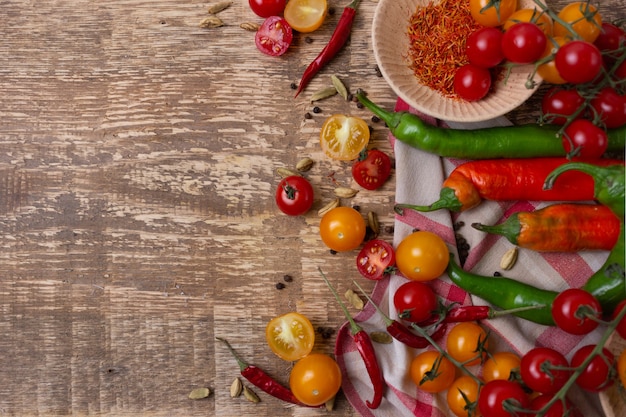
x,y
548,71
584,18
535,16
500,365
422,256
342,229
290,336
462,397
305,15
344,137
490,13
315,379
621,367
467,343
432,372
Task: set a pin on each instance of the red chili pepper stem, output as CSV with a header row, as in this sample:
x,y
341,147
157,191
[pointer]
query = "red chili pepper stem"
x,y
366,349
242,364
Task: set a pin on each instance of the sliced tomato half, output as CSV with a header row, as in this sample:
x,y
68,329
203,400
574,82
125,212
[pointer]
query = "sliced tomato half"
x,y
290,336
274,36
376,259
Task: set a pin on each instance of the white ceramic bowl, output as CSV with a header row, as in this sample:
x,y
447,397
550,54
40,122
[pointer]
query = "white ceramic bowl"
x,y
391,47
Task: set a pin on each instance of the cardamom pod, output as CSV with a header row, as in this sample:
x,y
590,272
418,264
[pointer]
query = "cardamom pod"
x,y
304,164
372,221
328,207
345,192
250,395
286,172
211,22
218,7
323,93
236,388
199,393
250,26
381,337
508,259
330,404
354,299
339,86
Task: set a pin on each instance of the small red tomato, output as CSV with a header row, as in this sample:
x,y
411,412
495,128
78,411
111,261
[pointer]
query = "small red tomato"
x,y
576,311
267,8
540,371
294,195
621,327
578,62
584,139
472,83
610,37
523,43
484,47
559,103
415,301
376,259
610,106
556,410
372,169
274,36
496,397
597,376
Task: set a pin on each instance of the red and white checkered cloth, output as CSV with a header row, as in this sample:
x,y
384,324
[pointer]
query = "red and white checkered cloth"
x,y
419,177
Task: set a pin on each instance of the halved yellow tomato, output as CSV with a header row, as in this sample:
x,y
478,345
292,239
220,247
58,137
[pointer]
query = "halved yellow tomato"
x,y
290,336
305,15
344,137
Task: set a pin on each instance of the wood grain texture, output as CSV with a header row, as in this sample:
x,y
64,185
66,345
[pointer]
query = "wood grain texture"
x,y
137,171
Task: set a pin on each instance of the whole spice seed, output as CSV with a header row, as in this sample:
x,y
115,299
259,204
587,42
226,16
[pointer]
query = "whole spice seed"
x,y
199,393
250,395
211,22
381,337
253,27
218,7
354,299
236,388
305,164
339,86
286,172
323,93
372,220
328,207
345,192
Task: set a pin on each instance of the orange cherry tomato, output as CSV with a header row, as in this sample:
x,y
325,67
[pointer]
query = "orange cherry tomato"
x,y
621,368
584,18
342,229
467,343
490,13
535,16
500,365
462,397
422,256
548,71
305,15
344,137
290,336
432,372
315,379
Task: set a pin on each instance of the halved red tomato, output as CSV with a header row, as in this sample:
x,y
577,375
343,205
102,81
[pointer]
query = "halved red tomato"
x,y
274,36
376,259
290,336
372,169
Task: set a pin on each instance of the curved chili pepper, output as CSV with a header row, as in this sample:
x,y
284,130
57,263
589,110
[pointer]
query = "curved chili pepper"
x,y
510,179
560,228
523,141
262,380
366,350
337,41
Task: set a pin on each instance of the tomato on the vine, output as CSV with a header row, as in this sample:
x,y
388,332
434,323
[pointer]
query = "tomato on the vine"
x,y
342,229
497,396
306,15
556,410
415,301
372,169
344,137
294,195
471,82
267,8
462,396
584,139
576,311
274,36
548,70
523,43
376,259
597,376
422,256
468,343
538,17
578,62
500,365
584,19
315,379
484,47
538,369
432,372
490,13
558,104
290,336
610,106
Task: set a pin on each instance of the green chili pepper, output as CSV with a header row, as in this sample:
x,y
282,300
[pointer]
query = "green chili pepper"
x,y
608,284
523,141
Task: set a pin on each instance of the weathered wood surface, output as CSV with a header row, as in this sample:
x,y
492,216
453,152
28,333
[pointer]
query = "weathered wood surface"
x,y
137,173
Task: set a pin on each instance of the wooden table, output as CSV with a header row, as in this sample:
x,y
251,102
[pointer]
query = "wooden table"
x,y
138,168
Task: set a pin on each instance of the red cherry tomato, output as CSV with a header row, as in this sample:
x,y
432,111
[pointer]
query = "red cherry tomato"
x,y
484,47
597,376
621,327
523,43
538,372
560,103
578,62
495,395
294,195
274,36
576,311
267,8
415,301
376,259
472,83
610,106
584,139
555,410
372,169
610,37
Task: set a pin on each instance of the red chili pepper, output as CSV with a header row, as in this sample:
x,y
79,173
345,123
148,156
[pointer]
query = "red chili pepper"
x,y
337,41
510,179
262,380
366,349
468,313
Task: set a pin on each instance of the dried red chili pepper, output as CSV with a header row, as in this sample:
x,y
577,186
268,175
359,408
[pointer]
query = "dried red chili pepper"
x,y
510,179
366,349
261,379
337,41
